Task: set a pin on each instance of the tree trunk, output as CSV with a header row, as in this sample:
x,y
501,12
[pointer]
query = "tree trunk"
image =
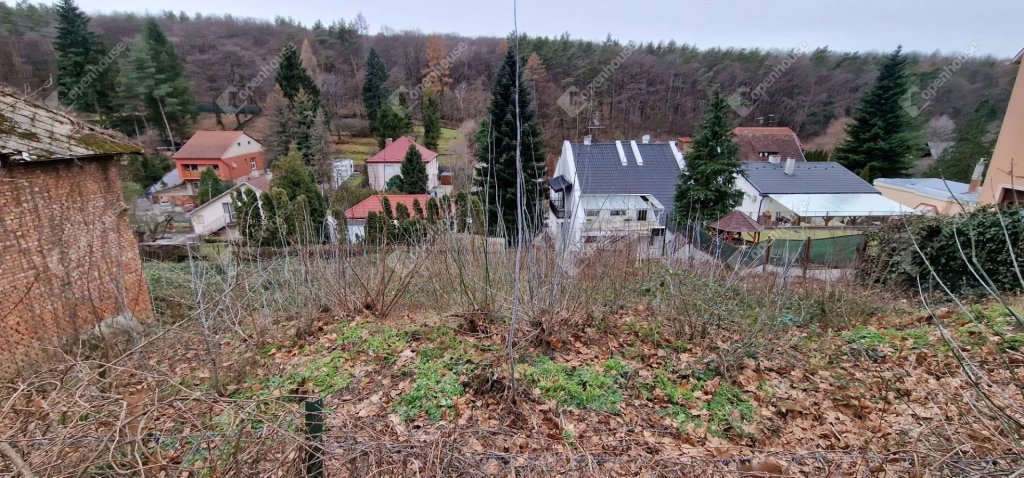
x,y
170,136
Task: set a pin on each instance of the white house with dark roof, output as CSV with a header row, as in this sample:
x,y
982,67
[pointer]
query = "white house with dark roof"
x,y
794,192
607,191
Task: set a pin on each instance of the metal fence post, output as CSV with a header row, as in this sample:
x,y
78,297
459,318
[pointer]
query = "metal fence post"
x,y
314,437
807,255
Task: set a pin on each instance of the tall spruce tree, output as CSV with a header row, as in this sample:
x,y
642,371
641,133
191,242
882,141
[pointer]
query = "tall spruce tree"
x,y
705,191
414,172
431,121
154,74
389,125
282,126
973,142
374,93
883,134
84,77
305,121
496,153
293,77
404,112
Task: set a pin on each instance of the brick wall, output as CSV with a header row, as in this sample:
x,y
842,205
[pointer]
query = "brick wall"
x,y
68,258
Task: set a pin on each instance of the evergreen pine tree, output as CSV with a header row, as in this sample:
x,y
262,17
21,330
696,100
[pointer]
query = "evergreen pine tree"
x,y
882,133
82,80
210,186
248,215
296,179
272,232
373,92
417,207
973,142
705,185
401,212
389,125
433,210
431,122
404,112
293,77
154,75
385,209
282,126
461,210
414,172
496,153
394,184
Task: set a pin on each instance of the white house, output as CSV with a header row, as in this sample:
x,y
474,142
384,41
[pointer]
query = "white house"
x,y
384,165
794,192
609,191
217,216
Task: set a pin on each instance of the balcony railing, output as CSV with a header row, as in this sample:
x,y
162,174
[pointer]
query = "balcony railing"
x,y
558,208
186,174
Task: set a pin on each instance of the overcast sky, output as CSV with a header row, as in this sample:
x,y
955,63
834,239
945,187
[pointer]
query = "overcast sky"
x,y
859,25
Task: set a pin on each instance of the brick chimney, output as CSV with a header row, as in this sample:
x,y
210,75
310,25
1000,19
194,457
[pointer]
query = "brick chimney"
x,y
976,178
387,142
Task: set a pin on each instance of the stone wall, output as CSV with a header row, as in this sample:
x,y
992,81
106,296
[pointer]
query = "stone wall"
x,y
68,258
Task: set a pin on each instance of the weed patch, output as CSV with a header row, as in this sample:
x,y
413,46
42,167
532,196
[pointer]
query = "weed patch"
x,y
576,387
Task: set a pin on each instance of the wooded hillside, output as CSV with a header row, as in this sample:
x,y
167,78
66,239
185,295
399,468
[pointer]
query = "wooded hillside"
x,y
656,89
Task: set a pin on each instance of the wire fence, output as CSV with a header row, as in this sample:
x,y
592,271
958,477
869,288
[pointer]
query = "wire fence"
x,y
837,252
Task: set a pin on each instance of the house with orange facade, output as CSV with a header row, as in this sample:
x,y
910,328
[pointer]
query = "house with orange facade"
x,y
234,155
1004,182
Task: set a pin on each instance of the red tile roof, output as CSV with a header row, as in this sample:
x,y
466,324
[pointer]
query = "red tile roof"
x,y
736,221
372,203
208,144
395,152
776,140
261,182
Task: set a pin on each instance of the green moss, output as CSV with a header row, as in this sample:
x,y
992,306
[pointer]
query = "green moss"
x,y
103,144
8,127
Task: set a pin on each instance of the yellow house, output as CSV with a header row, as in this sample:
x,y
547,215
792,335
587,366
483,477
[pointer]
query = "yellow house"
x,y
1005,180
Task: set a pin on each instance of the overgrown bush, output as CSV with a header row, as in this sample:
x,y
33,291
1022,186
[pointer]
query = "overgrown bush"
x,y
968,252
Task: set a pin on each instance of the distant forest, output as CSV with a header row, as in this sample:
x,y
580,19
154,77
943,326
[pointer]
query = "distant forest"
x,y
655,89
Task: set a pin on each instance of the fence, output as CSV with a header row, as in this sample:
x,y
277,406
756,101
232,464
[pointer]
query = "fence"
x,y
839,251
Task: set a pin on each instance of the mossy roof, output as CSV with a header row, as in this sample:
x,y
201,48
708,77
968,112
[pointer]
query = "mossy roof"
x,y
45,134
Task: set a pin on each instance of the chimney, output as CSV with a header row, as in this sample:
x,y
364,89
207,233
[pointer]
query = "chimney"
x,y
976,178
387,142
790,163
775,159
646,139
587,139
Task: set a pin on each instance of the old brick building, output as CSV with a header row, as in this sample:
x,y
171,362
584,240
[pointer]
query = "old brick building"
x,y
68,259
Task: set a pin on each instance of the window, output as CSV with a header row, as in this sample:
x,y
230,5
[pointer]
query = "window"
x,y
239,143
618,212
229,211
641,215
252,164
192,167
216,167
593,212
389,169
